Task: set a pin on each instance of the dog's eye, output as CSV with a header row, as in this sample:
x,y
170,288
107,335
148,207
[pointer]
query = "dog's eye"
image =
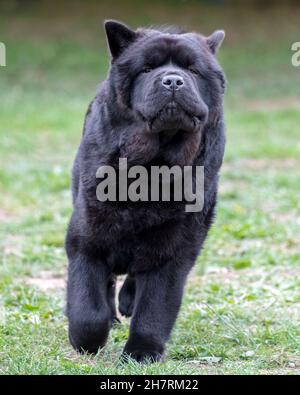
x,y
147,69
194,71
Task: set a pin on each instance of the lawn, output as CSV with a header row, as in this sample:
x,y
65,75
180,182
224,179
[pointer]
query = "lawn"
x,y
241,310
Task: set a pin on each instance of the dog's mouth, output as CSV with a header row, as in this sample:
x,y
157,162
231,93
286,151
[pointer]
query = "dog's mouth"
x,y
172,118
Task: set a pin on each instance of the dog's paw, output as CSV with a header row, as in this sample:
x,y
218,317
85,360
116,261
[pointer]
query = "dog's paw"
x,y
126,305
142,356
143,349
116,321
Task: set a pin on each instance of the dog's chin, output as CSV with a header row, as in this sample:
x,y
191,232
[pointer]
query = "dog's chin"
x,y
173,118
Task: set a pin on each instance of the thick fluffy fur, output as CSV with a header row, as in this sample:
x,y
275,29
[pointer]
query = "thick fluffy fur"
x,y
135,115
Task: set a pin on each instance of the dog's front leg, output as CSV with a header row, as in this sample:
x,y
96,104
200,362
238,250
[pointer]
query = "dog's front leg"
x,y
90,316
157,301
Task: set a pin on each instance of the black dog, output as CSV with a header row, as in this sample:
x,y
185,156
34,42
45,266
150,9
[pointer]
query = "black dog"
x,y
162,104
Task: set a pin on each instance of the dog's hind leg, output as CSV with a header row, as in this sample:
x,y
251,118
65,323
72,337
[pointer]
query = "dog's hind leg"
x,y
127,296
111,292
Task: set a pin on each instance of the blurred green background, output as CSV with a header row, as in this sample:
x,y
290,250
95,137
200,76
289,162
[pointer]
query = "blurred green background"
x,y
241,310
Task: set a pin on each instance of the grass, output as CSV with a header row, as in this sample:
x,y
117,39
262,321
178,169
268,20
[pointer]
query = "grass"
x,y
240,313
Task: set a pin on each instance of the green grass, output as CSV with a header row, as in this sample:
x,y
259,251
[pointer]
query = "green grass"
x,y
240,313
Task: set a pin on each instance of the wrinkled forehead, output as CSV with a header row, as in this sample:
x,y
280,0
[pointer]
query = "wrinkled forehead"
x,y
182,49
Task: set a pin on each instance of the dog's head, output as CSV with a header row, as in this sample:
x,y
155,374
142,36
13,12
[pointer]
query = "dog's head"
x,y
172,81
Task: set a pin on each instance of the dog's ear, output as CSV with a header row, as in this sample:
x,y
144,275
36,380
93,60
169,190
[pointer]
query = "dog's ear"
x,y
215,40
119,37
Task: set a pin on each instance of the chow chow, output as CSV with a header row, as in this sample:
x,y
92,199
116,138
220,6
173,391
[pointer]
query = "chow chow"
x,y
161,105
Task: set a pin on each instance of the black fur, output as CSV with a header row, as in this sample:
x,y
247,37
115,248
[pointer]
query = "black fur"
x,y
155,243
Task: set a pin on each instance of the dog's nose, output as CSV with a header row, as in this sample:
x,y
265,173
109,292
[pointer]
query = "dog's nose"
x,y
172,82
